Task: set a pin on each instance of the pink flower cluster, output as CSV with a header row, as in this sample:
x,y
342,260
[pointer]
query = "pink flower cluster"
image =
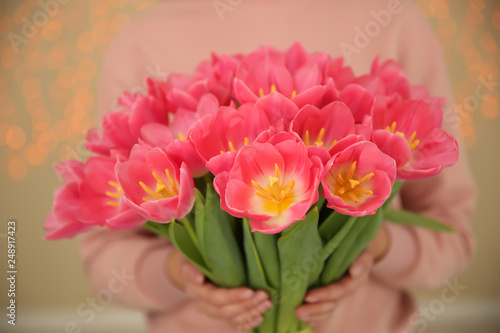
x,y
271,127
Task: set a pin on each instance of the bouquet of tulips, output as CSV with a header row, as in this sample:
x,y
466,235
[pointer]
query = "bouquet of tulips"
x,y
272,169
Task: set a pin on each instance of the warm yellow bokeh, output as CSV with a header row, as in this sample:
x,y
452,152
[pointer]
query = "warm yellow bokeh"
x,y
55,66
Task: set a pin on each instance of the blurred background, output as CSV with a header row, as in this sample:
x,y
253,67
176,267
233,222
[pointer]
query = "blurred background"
x,y
48,81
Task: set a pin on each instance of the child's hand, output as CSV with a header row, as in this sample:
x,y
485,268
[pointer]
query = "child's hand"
x,y
241,307
320,302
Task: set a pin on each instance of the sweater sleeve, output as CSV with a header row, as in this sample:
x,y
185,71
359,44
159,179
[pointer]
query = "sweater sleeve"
x,y
131,264
419,257
138,256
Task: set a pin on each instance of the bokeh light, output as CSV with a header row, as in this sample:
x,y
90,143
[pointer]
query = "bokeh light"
x,y
17,168
3,133
495,19
52,31
9,58
475,15
7,107
47,142
74,21
139,4
5,25
439,8
55,59
3,88
119,20
42,120
86,41
117,3
22,11
15,137
32,88
98,7
490,107
34,155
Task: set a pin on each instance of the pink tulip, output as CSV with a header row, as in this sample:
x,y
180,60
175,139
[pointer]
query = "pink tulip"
x,y
321,129
272,183
411,134
180,150
359,100
229,130
90,197
341,75
386,79
422,93
218,73
358,179
263,73
297,57
115,134
63,221
120,130
70,171
280,111
174,137
154,186
146,110
213,77
101,194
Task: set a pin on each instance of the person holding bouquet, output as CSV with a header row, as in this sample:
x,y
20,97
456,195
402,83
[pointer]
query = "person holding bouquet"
x,y
373,296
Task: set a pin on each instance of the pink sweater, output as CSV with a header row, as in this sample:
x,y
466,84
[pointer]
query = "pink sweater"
x,y
176,34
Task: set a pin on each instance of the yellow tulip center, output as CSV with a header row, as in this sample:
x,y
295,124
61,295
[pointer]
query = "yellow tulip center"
x,y
278,197
163,189
231,145
411,140
273,90
319,140
347,187
117,194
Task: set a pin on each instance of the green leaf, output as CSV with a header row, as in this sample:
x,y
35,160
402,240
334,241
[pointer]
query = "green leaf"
x,y
199,222
362,240
332,225
298,247
184,243
267,248
221,248
408,218
350,246
256,276
339,235
189,228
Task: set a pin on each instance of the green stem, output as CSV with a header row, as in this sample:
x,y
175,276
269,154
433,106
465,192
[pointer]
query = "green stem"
x,y
190,230
321,201
336,240
395,190
157,228
208,178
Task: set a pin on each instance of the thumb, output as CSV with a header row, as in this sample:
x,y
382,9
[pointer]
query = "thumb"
x,y
361,265
193,274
